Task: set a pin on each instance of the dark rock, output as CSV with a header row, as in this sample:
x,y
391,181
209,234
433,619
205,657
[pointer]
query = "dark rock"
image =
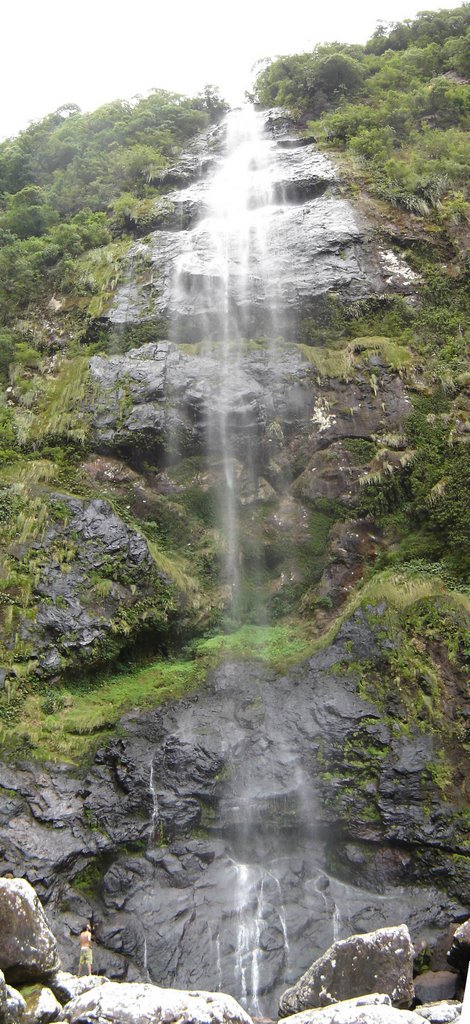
x,y
247,761
354,966
459,952
435,986
28,950
72,621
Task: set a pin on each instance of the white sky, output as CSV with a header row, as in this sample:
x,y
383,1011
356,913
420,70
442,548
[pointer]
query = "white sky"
x,y
92,51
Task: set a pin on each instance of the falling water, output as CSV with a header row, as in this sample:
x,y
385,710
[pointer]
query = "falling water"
x,y
254,909
155,809
225,272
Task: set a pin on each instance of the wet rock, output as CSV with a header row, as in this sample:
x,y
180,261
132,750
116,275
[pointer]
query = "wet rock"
x,y
42,1007
280,843
354,966
435,986
73,620
137,1004
173,399
314,249
28,950
351,546
305,243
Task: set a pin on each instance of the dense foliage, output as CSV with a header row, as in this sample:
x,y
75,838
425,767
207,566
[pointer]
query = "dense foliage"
x,y
63,179
400,103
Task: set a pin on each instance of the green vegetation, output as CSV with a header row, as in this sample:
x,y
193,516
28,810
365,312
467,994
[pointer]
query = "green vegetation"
x,y
75,190
395,114
399,104
69,720
72,183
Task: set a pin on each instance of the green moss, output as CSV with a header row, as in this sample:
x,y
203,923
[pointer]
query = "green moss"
x,y
362,450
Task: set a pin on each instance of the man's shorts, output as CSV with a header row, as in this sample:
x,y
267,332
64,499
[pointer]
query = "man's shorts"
x,y
86,955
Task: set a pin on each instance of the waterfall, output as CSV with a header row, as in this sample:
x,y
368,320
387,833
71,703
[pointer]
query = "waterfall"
x,y
255,908
155,810
225,275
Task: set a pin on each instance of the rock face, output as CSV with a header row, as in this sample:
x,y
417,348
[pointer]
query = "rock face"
x,y
355,966
254,898
94,575
27,947
159,399
140,1004
308,242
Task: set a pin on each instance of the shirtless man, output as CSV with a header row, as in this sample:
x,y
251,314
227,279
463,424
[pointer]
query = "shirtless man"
x,y
86,953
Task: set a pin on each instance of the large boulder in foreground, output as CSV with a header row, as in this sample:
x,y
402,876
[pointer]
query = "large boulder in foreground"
x,y
368,1009
28,949
66,986
353,967
132,1003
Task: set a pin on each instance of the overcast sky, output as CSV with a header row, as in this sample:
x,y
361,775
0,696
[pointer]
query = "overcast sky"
x,y
92,51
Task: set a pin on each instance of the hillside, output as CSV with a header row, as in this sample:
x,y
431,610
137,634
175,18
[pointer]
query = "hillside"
x,y
234,516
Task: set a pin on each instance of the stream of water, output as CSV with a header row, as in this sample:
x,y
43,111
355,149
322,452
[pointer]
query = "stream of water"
x,y
226,275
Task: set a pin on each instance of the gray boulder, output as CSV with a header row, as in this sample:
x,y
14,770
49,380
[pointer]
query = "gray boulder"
x,y
42,1007
28,950
12,1004
371,1009
141,1004
66,986
355,966
436,985
328,1014
441,1013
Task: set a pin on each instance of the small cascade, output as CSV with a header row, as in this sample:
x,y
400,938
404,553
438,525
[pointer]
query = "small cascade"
x,y
259,904
145,969
337,923
218,963
155,810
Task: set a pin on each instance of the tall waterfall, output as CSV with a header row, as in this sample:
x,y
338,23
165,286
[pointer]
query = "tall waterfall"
x,y
225,274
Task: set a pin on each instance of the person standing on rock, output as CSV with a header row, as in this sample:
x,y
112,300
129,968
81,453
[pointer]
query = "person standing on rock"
x,y
86,952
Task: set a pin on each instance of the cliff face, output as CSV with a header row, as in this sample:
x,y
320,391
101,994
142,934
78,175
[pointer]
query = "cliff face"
x,y
225,839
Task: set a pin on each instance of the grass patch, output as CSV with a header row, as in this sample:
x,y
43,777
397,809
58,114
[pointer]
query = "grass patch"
x,y
342,362
87,710
277,646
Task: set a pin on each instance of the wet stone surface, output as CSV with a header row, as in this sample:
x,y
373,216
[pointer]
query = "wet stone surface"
x,y
208,835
